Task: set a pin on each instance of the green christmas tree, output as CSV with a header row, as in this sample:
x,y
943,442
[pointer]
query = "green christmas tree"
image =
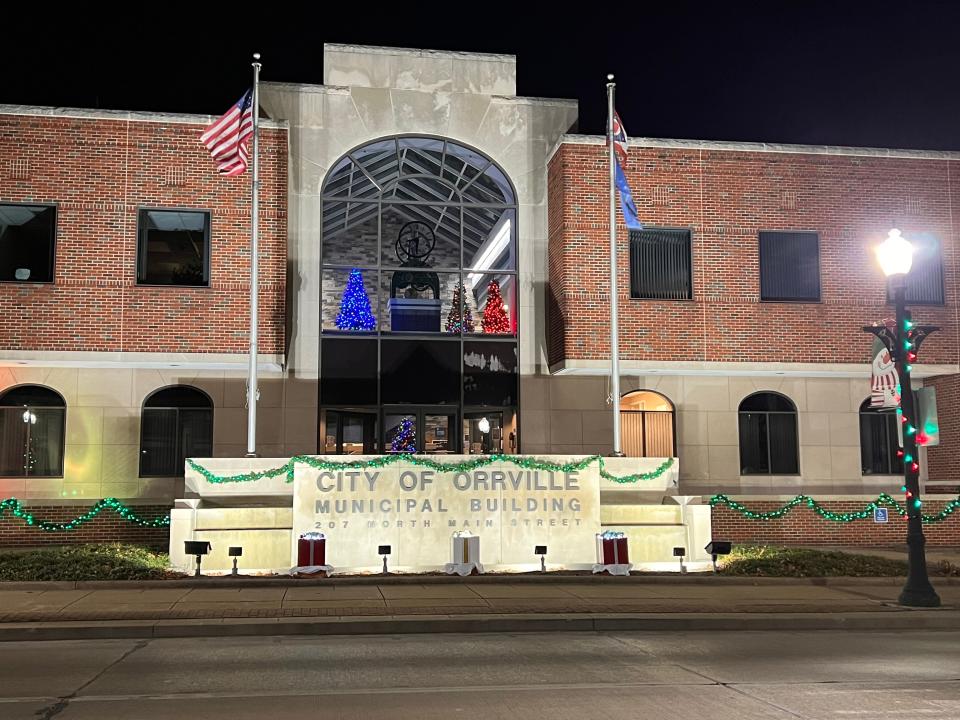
x,y
460,319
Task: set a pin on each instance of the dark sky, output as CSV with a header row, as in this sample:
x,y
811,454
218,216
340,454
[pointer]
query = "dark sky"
x,y
840,72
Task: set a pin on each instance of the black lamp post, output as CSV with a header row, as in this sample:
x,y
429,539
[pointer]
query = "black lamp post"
x,y
895,255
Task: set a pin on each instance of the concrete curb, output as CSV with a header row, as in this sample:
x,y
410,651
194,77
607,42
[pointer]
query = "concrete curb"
x,y
227,581
383,625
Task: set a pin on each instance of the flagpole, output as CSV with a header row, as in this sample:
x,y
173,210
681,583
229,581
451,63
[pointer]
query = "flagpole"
x,y
614,338
253,394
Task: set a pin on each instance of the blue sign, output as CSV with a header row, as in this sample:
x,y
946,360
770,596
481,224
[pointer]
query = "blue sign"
x,y
880,515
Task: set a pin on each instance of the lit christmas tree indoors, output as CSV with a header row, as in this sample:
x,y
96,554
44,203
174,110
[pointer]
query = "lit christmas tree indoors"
x,y
459,319
495,318
355,313
405,441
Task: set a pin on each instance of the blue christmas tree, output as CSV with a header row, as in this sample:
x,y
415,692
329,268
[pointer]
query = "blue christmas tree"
x,y
355,313
405,441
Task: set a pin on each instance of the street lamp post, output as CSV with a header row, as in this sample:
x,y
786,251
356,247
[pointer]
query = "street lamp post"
x,y
895,255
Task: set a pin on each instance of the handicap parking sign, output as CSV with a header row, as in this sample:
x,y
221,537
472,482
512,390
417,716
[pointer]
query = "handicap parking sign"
x,y
880,515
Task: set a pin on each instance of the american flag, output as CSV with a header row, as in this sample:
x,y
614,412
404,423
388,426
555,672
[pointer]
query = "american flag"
x,y
619,140
228,139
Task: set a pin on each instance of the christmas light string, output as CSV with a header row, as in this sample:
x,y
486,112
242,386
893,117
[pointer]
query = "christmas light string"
x,y
884,500
521,461
16,508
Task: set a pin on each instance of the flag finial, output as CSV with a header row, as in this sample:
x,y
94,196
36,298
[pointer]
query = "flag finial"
x,y
610,76
256,57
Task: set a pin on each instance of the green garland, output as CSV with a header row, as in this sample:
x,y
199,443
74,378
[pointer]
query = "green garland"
x,y
527,463
883,500
17,510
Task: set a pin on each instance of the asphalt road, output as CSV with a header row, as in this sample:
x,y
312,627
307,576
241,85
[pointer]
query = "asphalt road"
x,y
561,676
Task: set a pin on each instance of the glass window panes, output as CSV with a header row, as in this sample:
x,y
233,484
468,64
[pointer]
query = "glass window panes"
x,y
660,264
348,371
490,373
401,433
32,424
173,247
417,371
768,435
350,433
176,423
27,241
789,266
350,231
350,301
495,297
879,441
418,300
489,238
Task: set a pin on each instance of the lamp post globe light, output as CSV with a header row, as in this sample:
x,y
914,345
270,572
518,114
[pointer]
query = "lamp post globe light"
x,y
895,255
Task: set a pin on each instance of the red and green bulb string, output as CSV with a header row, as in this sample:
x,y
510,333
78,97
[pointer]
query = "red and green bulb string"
x,y
909,347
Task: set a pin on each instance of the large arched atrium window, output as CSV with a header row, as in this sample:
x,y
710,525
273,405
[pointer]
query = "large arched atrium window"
x,y
32,422
879,441
177,423
646,424
419,301
768,435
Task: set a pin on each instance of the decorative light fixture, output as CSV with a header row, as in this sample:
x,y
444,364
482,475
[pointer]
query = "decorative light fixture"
x,y
484,425
29,417
895,254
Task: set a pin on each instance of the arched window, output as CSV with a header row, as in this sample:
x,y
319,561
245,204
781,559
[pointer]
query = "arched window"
x,y
177,423
32,422
768,435
646,424
879,442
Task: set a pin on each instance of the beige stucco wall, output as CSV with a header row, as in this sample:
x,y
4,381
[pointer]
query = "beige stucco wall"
x,y
569,414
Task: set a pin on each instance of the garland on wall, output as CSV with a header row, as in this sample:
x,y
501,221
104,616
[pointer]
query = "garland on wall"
x,y
883,500
521,461
16,508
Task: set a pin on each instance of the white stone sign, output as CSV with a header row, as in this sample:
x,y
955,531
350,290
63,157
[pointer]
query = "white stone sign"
x,y
415,510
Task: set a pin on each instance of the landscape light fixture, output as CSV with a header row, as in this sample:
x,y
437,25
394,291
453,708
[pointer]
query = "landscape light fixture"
x,y
541,550
235,552
716,548
197,548
384,550
680,552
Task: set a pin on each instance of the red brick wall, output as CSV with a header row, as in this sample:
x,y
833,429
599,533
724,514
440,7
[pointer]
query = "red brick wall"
x,y
105,527
802,526
726,197
99,172
942,459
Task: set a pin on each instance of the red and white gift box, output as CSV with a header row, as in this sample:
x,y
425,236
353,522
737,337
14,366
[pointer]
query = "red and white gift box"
x,y
612,549
311,550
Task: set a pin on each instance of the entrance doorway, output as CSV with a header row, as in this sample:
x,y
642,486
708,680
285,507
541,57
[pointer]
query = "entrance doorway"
x,y
428,429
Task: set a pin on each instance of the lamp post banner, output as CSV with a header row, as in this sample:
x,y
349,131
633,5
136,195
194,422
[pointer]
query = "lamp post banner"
x,y
416,510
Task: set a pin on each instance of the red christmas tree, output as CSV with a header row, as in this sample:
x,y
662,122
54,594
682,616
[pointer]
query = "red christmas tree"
x,y
495,318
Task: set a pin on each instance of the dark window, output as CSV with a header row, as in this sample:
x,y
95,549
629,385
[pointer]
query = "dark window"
x,y
789,266
489,373
925,279
173,247
419,371
348,372
768,435
177,423
32,421
660,265
879,443
27,239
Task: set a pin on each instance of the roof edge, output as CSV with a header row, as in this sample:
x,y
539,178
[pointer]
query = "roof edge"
x,y
124,115
416,52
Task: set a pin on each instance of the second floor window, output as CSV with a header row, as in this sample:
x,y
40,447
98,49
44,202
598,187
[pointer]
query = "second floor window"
x,y
660,267
173,247
27,238
789,266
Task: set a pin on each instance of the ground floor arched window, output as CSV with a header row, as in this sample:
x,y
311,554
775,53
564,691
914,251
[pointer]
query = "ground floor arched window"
x,y
32,423
647,427
177,423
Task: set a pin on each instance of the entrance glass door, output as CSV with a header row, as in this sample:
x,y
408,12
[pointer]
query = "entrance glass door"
x,y
483,433
421,429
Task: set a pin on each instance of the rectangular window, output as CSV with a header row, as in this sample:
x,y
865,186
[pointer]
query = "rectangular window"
x,y
27,239
789,266
925,279
173,247
660,265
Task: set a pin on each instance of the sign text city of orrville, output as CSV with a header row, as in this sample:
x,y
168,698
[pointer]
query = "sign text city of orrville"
x,y
416,509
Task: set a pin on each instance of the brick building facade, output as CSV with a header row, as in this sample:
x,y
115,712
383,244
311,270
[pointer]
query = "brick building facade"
x,y
399,137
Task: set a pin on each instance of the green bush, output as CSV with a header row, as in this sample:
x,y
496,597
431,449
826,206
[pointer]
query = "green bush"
x,y
85,562
770,561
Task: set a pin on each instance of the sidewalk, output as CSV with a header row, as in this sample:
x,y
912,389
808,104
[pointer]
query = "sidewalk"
x,y
219,606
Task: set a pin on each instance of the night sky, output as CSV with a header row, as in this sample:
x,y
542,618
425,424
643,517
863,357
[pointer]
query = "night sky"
x,y
841,73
